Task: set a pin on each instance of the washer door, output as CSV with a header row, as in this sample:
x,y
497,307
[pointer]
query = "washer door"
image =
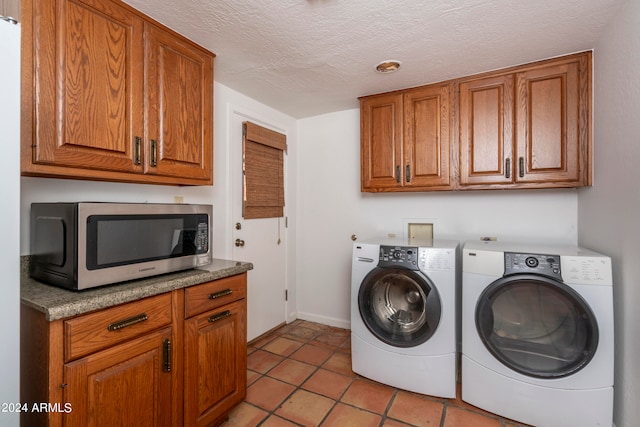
x,y
537,326
400,307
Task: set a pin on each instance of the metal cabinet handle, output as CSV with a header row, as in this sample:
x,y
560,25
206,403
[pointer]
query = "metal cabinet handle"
x,y
507,168
219,316
398,173
137,143
154,153
239,242
220,294
408,173
127,322
166,355
521,167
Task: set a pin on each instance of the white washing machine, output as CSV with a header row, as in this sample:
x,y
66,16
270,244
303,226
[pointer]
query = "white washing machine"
x,y
537,333
403,314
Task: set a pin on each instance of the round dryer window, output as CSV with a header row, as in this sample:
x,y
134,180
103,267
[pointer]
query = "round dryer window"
x,y
400,307
537,326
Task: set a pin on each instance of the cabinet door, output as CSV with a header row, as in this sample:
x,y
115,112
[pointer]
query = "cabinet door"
x,y
125,385
215,363
426,137
88,85
179,105
381,142
552,130
486,131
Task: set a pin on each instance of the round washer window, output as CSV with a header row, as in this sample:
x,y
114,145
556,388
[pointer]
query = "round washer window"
x,y
537,326
400,307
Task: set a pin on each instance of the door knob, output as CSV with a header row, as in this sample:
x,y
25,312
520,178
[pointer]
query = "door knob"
x,y
239,242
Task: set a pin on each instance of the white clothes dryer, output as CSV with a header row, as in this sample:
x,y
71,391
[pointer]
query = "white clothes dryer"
x,y
403,314
537,333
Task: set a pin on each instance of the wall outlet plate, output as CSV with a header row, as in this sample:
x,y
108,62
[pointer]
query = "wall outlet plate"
x,y
420,231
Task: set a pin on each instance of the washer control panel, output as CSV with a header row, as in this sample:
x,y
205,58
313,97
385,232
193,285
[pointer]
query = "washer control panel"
x,y
548,265
398,256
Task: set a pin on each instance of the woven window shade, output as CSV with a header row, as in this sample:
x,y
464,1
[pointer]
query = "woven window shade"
x,y
263,167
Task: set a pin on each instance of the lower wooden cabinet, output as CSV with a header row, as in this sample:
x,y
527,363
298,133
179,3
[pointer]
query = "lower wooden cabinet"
x,y
178,358
215,364
125,385
215,350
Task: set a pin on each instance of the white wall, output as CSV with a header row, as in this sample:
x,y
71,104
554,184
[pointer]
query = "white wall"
x,y
331,208
608,212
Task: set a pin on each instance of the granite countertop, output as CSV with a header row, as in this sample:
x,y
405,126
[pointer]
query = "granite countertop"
x,y
57,303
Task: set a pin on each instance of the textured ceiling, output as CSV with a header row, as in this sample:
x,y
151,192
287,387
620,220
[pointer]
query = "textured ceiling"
x,y
309,57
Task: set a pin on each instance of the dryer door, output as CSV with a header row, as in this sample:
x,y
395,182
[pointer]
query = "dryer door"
x,y
536,326
400,307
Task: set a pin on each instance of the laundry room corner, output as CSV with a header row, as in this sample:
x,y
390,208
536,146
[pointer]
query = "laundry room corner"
x,y
331,209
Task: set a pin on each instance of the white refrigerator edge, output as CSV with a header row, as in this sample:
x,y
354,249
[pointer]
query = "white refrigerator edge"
x,y
10,222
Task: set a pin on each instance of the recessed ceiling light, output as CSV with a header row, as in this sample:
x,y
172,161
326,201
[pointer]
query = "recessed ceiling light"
x,y
388,66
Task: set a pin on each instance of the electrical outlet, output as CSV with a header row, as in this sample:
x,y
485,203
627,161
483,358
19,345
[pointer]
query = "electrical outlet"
x,y
178,199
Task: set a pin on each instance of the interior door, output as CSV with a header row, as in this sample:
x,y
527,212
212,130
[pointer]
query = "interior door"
x,y
261,242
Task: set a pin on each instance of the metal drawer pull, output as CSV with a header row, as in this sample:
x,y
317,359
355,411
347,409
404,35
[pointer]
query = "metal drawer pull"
x,y
128,322
219,316
507,168
220,294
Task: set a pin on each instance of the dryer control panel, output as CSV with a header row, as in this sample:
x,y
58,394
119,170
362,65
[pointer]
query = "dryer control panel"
x,y
399,256
548,265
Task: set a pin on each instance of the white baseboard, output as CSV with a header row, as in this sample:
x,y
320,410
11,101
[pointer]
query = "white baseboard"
x,y
325,320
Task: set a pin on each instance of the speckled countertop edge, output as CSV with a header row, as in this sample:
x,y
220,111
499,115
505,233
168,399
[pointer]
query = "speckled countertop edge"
x,y
57,303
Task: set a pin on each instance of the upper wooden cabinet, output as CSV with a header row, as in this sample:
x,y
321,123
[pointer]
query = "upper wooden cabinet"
x,y
527,128
405,140
523,127
115,96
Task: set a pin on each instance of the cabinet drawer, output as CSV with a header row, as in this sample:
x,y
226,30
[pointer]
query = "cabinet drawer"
x,y
92,332
201,298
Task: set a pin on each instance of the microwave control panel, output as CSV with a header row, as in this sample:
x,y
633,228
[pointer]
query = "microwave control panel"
x,y
202,238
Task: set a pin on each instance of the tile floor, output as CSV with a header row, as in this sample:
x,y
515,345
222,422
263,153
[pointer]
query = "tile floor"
x,y
300,375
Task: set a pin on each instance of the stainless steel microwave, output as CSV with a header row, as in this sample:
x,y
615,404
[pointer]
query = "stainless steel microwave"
x,y
83,245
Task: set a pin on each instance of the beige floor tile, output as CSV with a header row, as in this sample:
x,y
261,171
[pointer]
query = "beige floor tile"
x,y
327,383
305,408
330,340
268,393
417,410
348,416
394,423
340,363
300,375
276,421
245,415
262,361
282,346
312,354
368,395
292,371
457,417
